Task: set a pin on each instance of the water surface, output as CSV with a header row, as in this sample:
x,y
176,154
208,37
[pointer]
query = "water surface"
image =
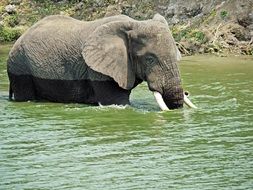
x,y
73,146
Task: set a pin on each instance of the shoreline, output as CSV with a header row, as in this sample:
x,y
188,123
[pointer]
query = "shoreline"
x,y
6,46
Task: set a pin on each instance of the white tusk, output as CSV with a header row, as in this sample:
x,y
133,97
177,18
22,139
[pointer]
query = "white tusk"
x,y
188,102
160,101
179,56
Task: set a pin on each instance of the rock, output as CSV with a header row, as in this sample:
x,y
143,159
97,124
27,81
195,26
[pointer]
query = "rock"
x,y
170,12
246,20
61,2
79,6
4,15
237,31
232,40
113,10
194,11
174,20
99,3
162,7
10,9
15,2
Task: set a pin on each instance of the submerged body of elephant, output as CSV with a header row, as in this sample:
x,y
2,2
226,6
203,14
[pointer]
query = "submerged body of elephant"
x,y
62,59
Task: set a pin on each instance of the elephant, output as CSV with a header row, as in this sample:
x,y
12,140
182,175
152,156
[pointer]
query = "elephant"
x,y
61,59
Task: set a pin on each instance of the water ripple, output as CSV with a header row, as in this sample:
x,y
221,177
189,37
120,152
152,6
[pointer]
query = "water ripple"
x,y
73,146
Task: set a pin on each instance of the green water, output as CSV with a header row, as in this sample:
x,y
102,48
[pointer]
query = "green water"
x,y
71,146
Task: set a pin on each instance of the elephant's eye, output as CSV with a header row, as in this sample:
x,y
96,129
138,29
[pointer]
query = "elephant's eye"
x,y
150,59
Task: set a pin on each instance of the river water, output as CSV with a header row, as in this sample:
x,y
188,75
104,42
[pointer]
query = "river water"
x,y
73,146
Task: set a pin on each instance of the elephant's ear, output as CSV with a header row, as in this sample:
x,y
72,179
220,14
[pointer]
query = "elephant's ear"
x,y
106,51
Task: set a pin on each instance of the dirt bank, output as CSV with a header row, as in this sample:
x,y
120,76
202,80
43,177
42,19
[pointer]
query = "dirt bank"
x,y
199,26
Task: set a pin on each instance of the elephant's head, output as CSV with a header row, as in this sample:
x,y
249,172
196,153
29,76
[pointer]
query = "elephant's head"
x,y
131,51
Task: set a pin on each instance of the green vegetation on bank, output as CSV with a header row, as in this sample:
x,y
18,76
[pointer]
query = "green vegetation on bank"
x,y
8,34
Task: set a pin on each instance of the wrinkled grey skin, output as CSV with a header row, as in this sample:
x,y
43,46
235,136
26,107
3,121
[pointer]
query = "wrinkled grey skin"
x,y
66,60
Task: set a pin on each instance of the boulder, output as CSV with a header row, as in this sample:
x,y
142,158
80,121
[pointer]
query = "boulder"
x,y
10,9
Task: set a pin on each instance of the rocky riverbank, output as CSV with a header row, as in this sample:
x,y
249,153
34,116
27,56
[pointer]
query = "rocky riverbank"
x,y
198,26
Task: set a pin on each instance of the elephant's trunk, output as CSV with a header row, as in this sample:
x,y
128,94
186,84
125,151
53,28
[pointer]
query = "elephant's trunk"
x,y
167,89
173,97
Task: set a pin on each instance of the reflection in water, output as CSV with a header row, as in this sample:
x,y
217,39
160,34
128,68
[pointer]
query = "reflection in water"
x,y
74,146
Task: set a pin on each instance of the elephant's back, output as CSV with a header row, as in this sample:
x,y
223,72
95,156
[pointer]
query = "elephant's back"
x,y
49,49
52,25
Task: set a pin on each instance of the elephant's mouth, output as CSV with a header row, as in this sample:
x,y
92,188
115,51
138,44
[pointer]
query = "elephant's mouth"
x,y
175,101
174,97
